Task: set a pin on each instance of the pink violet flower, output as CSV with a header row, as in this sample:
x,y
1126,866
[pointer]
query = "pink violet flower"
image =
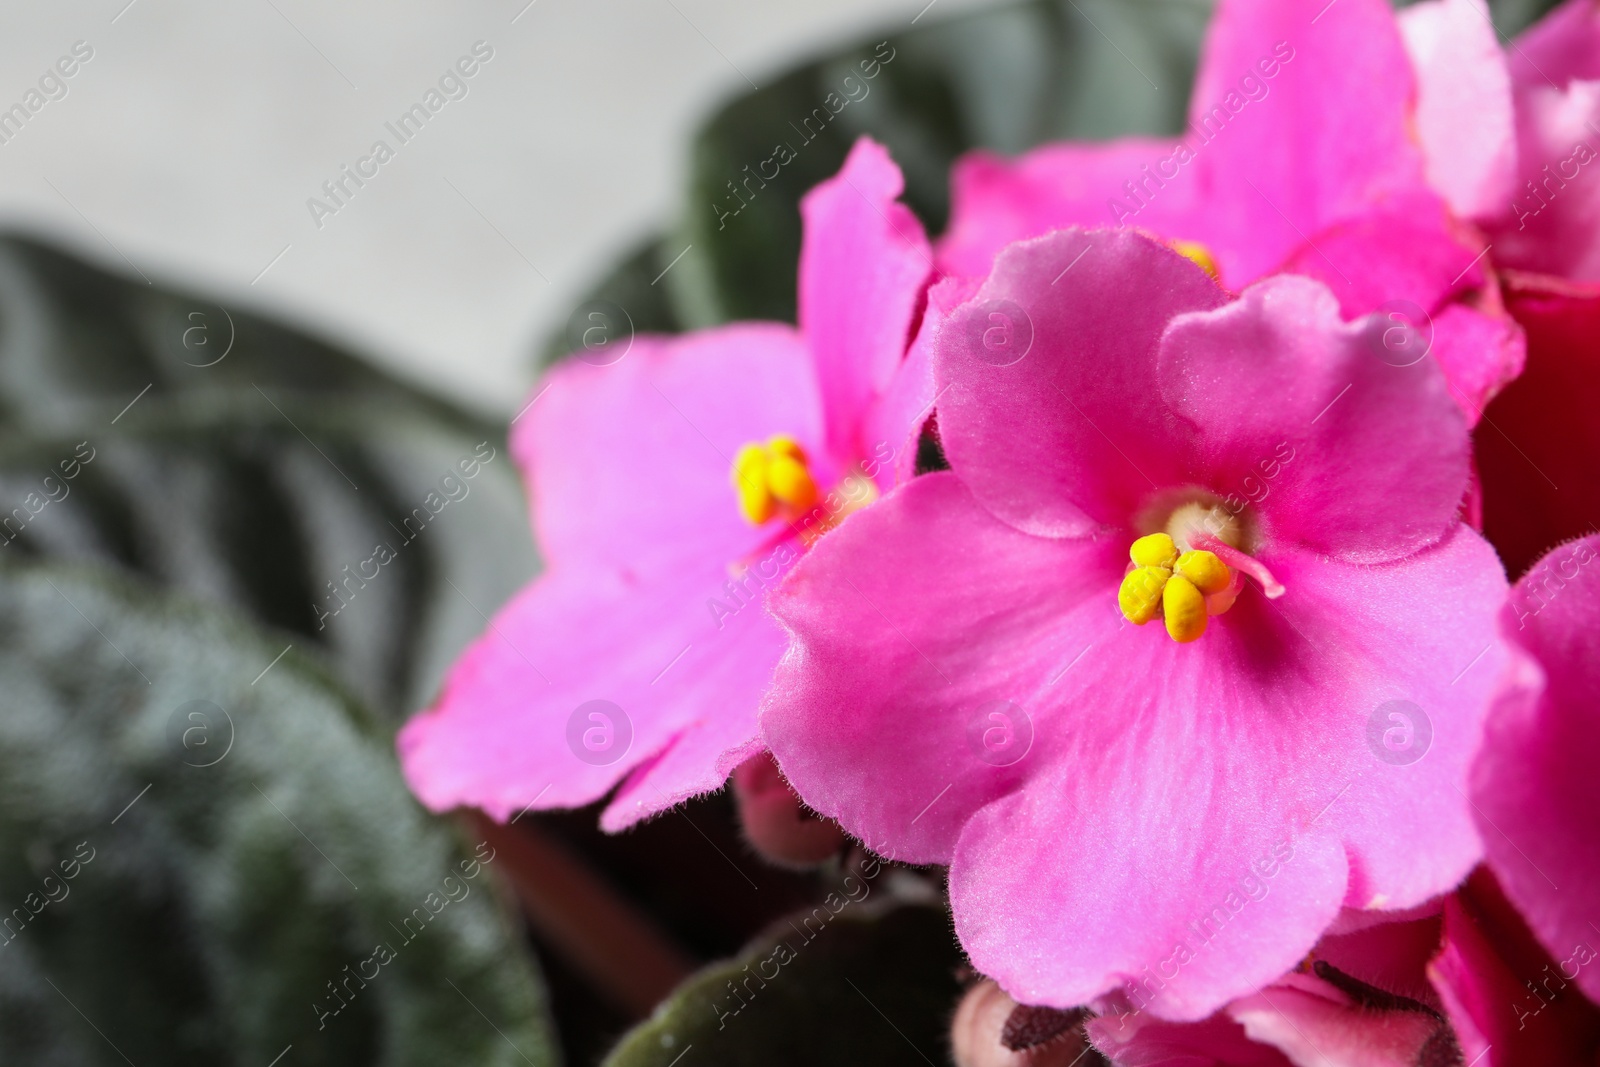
x,y
1301,155
1515,133
668,490
1533,786
962,688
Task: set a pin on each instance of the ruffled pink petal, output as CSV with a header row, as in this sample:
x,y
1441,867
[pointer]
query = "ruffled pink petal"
x,y
1464,115
1379,451
1129,786
994,201
1480,352
628,465
1325,138
863,263
1533,785
1049,400
1315,1024
510,729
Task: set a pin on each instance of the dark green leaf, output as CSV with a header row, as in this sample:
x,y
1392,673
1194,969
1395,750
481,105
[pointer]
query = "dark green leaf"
x,y
872,981
199,836
250,465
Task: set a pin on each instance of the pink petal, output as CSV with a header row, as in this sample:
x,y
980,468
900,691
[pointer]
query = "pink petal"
x,y
1059,441
628,465
1508,1002
1464,114
501,735
1561,47
994,202
1379,451
1553,220
1480,352
1138,806
1327,140
873,657
1315,1025
1533,785
1145,1041
863,263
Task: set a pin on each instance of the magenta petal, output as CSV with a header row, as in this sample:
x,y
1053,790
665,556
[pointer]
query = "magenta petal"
x,y
1562,47
1534,781
1464,113
1380,451
863,262
1480,353
877,680
629,464
994,202
1327,139
1051,440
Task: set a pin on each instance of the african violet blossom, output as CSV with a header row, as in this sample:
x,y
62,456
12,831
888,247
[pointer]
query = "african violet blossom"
x,y
1300,155
1178,819
668,490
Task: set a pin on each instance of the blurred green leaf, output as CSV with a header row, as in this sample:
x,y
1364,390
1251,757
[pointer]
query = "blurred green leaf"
x,y
872,981
200,834
252,466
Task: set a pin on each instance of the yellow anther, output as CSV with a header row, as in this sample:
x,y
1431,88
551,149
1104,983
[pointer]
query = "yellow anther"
x,y
1208,573
784,445
1140,595
1199,254
791,483
1154,550
772,475
1185,609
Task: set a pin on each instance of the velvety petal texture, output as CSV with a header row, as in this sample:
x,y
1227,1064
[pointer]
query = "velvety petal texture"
x,y
1534,783
637,608
1120,811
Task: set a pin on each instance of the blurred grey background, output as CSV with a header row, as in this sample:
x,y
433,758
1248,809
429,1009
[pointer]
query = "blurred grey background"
x,y
188,145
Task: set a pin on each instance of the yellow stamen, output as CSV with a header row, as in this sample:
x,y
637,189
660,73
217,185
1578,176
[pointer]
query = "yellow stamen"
x,y
1198,254
1208,573
1154,550
1140,595
1176,585
1184,608
767,476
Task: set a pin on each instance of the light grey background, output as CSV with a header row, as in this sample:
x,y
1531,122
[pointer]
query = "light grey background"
x,y
188,146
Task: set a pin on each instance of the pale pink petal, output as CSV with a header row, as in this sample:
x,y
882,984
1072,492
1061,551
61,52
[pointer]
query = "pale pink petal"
x,y
1464,115
1552,223
629,464
863,262
1050,404
1378,448
1534,783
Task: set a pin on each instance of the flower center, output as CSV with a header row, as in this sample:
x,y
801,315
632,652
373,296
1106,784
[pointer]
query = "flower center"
x,y
773,476
1189,570
774,480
